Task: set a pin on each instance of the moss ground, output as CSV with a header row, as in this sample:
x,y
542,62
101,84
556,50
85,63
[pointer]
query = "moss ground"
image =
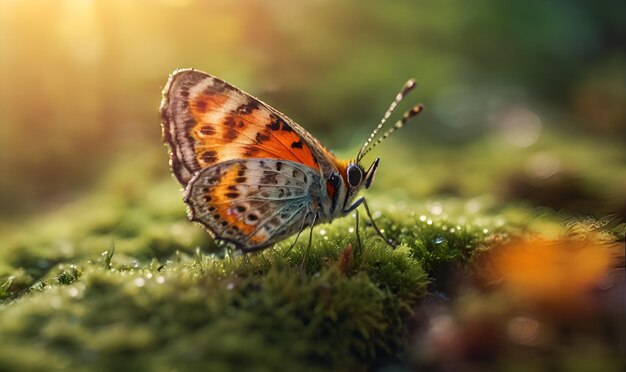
x,y
119,279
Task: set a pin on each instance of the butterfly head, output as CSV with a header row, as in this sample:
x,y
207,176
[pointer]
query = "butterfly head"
x,y
343,185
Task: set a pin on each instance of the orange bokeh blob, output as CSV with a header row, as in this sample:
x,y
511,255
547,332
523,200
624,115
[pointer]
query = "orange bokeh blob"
x,y
554,272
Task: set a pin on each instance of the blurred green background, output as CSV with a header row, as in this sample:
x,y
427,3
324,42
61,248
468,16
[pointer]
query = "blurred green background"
x,y
81,81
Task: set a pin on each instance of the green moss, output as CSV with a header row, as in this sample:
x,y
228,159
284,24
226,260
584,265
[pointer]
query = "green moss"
x,y
345,309
246,311
121,280
4,288
68,275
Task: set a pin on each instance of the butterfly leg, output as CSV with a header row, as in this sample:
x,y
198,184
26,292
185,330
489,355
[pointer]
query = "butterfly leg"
x,y
298,235
228,250
355,205
358,237
369,214
306,253
246,259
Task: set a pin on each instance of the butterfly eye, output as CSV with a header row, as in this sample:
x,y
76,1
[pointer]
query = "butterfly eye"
x,y
334,180
355,175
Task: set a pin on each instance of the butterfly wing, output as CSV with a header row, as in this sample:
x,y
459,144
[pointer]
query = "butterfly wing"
x,y
207,121
253,203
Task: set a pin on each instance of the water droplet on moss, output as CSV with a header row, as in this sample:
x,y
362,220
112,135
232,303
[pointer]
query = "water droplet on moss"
x,y
439,239
73,292
139,282
436,209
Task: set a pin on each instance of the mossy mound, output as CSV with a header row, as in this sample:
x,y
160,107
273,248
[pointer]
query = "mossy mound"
x,y
121,280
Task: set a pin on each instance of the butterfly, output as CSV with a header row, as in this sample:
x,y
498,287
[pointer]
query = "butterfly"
x,y
252,176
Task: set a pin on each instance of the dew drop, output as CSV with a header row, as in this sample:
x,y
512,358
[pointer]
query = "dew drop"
x,y
139,282
160,279
436,209
472,206
439,239
422,218
73,292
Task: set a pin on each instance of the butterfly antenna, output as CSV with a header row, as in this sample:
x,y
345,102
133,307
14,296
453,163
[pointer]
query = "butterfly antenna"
x,y
399,124
405,90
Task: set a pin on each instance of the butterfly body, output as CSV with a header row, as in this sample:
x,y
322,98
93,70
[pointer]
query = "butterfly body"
x,y
252,176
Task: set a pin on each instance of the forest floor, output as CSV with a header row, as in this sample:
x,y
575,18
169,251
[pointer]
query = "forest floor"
x,y
503,262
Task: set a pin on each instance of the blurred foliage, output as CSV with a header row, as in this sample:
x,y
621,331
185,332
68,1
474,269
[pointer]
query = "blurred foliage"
x,y
81,79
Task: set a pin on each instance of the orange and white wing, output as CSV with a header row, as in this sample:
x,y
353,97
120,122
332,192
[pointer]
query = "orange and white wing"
x,y
254,203
207,121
